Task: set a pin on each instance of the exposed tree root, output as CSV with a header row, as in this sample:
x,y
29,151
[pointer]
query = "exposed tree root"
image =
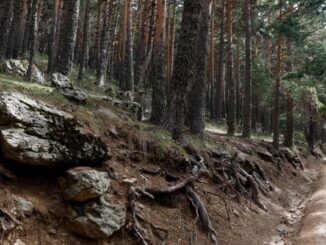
x,y
198,169
7,223
202,213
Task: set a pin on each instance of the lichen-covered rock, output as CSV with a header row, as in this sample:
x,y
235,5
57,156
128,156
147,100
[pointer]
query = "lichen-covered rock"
x,y
82,184
20,67
60,81
74,94
35,133
99,218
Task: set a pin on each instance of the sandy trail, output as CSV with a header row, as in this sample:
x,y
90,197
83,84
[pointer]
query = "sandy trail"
x,y
312,229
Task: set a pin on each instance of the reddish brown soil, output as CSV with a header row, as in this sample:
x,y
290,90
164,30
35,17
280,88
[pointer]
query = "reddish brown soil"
x,y
237,223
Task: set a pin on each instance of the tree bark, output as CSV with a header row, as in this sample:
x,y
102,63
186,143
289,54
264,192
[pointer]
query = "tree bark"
x,y
197,106
276,112
247,105
68,37
13,29
102,64
5,28
229,70
211,66
20,31
237,82
171,44
53,43
220,70
158,82
185,65
128,61
83,56
33,38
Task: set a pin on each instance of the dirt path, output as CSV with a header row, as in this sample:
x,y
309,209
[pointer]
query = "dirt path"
x,y
312,229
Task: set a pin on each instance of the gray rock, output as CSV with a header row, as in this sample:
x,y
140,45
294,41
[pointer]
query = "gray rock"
x,y
20,67
25,206
35,133
74,94
60,81
82,184
98,219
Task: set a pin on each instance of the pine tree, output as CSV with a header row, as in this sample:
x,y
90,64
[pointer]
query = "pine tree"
x,y
185,65
68,37
158,75
198,93
229,69
247,104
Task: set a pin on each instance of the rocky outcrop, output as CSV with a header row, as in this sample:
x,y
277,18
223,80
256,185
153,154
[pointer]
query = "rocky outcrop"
x,y
99,218
20,67
37,134
82,184
66,88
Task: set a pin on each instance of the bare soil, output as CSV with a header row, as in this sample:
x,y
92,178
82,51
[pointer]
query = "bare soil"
x,y
237,221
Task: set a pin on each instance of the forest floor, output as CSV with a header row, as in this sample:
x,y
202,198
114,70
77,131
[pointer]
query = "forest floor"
x,y
295,208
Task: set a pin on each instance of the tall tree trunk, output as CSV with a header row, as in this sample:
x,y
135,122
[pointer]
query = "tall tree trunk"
x,y
211,66
98,33
128,61
33,37
27,28
5,28
185,65
53,43
276,113
20,32
289,131
198,92
229,70
102,65
312,127
13,29
220,70
83,56
289,103
247,104
171,44
142,42
68,37
145,64
158,82
237,82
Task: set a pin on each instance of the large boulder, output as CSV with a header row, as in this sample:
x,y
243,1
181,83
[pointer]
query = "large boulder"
x,y
82,184
99,218
20,67
35,133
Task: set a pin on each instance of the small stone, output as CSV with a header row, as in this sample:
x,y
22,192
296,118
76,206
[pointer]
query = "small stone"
x,y
27,207
83,183
52,231
130,181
